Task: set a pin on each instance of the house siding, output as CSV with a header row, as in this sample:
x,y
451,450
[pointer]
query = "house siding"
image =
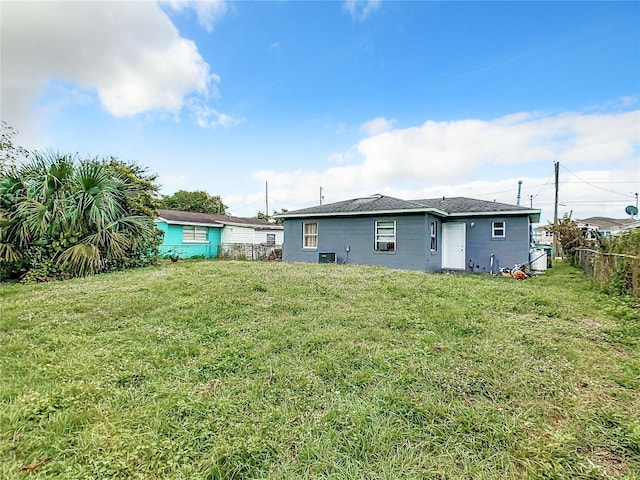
x,y
508,251
233,234
413,242
236,234
335,234
172,243
261,236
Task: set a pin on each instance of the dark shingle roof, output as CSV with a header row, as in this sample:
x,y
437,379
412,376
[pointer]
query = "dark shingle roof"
x,y
374,203
177,216
465,205
454,206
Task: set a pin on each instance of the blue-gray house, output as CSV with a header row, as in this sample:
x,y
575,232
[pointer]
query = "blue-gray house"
x,y
432,235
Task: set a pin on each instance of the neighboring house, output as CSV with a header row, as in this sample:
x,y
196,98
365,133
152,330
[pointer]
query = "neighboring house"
x,y
603,225
458,234
543,235
190,234
592,228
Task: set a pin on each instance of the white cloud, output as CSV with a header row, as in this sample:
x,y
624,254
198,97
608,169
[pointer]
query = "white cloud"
x,y
459,158
206,116
209,12
445,151
361,9
129,53
377,126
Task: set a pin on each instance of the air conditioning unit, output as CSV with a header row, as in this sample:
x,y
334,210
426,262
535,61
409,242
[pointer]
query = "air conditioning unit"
x,y
327,258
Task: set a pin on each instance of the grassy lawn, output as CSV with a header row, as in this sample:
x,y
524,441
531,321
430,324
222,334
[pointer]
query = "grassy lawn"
x,y
237,370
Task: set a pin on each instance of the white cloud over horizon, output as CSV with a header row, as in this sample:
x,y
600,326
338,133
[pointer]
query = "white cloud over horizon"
x,y
448,158
445,151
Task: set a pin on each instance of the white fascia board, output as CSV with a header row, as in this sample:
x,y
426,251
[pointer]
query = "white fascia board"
x,y
435,211
195,224
254,226
535,213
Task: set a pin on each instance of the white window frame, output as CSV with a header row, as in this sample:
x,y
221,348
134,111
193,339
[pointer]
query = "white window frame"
x,y
195,234
271,238
310,238
385,233
497,227
433,235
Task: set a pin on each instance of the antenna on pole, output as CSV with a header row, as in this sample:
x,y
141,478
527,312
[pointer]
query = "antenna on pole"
x,y
519,189
321,196
266,199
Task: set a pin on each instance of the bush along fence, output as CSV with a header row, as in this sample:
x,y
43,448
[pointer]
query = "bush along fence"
x,y
614,272
226,251
250,251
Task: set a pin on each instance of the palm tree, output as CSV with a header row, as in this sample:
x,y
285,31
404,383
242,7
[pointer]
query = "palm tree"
x,y
76,211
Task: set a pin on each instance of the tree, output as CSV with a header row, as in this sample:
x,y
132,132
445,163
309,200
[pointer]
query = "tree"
x,y
60,216
146,201
10,154
278,221
198,201
568,234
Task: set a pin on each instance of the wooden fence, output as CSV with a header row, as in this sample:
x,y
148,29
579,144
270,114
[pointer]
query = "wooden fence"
x,y
611,268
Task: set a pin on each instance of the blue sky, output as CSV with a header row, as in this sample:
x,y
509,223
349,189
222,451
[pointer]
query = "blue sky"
x,y
408,99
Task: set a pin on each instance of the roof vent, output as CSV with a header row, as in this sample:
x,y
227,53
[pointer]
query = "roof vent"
x,y
368,199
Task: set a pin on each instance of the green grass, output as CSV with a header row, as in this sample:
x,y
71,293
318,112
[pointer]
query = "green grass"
x,y
237,370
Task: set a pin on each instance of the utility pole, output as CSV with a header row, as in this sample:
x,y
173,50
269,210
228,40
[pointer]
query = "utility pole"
x,y
556,167
530,201
266,199
321,196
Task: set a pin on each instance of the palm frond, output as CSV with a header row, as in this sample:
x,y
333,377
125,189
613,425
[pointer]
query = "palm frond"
x,y
9,253
81,260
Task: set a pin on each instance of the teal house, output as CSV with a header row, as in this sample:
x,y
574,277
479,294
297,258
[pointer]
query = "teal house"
x,y
189,234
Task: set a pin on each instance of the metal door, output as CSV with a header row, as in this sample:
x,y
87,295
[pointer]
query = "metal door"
x,y
453,245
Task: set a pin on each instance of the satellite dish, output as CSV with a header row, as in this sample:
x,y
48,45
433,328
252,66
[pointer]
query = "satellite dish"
x,y
631,210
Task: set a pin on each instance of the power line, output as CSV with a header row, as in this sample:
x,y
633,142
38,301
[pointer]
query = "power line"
x,y
592,184
511,190
606,183
594,203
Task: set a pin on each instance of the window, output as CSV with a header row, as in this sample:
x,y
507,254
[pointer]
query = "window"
x,y
498,230
309,235
385,236
433,231
271,238
191,233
